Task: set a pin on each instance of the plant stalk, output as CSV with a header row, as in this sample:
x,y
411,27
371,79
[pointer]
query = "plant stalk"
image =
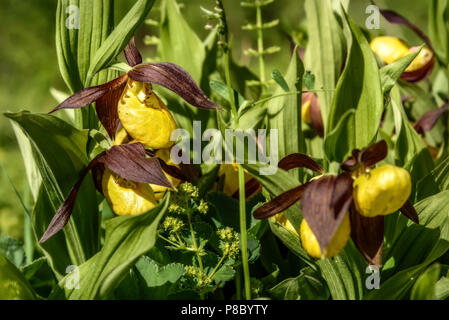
x,y
243,234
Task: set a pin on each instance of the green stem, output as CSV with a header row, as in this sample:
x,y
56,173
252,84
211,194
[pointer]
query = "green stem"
x,y
169,241
195,246
291,93
216,267
228,82
238,285
243,233
28,237
260,44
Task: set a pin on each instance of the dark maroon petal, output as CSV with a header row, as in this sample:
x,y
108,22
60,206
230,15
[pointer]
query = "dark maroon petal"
x,y
129,161
173,77
351,162
395,18
299,160
368,236
190,171
409,211
173,171
281,203
89,95
324,204
132,54
374,153
64,212
251,187
106,106
427,121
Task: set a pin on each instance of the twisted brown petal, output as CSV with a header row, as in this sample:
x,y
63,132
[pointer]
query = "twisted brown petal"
x,y
130,162
428,120
374,153
89,95
175,78
281,203
299,160
132,54
324,205
368,236
409,211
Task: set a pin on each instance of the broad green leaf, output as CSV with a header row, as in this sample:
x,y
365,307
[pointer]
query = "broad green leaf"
x,y
12,250
224,273
127,238
435,181
59,152
13,286
442,288
342,131
397,286
389,74
284,113
424,288
358,88
419,244
159,282
307,286
345,274
439,28
325,54
119,37
411,151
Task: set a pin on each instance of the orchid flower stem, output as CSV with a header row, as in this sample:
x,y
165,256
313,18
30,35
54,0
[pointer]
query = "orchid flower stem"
x,y
243,234
290,93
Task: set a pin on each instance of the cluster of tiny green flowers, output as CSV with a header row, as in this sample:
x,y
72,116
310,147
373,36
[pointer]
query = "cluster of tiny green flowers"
x,y
229,242
189,190
203,207
196,273
172,224
175,208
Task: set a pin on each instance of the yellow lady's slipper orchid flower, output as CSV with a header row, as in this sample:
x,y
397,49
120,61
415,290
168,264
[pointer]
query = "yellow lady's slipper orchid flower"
x,y
144,116
382,191
421,60
159,191
338,242
127,197
231,174
389,49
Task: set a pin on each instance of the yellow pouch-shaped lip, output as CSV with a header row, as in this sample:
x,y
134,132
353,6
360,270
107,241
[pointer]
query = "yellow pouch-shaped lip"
x,y
231,175
127,197
389,49
382,191
310,243
145,117
159,191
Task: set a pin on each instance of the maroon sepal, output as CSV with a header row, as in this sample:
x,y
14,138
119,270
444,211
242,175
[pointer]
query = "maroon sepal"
x,y
409,211
106,106
132,54
368,236
325,203
175,78
428,120
299,160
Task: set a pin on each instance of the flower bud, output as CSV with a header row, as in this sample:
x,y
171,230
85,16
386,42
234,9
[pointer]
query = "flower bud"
x,y
127,197
305,112
281,218
159,191
338,242
145,117
381,191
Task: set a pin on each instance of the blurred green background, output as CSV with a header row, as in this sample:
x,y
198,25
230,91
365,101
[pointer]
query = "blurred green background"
x,y
29,66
